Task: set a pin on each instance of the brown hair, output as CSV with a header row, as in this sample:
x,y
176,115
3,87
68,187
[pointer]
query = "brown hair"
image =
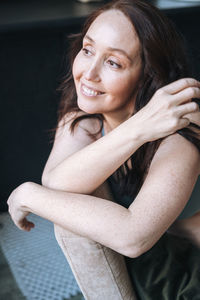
x,y
164,61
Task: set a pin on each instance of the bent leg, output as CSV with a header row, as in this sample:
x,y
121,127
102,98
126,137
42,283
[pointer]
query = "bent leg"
x,y
100,272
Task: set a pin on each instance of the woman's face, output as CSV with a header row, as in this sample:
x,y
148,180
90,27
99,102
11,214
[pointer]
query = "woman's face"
x,y
107,69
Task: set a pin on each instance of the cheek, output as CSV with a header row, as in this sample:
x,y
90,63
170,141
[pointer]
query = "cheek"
x,y
75,69
130,84
78,66
120,86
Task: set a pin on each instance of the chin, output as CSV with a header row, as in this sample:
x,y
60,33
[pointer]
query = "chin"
x,y
88,108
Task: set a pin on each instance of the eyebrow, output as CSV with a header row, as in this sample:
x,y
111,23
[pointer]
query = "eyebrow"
x,y
111,48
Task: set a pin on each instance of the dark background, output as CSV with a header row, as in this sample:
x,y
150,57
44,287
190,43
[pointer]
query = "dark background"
x,y
32,63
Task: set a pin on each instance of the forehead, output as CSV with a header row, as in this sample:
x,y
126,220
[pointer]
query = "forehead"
x,y
113,29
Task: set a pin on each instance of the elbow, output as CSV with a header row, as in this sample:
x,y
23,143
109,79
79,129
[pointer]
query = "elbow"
x,y
46,180
50,181
133,252
135,249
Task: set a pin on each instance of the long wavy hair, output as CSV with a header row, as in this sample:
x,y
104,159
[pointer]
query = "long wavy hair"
x,y
164,61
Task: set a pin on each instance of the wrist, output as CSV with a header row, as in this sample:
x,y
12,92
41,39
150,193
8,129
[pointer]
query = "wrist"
x,y
135,131
24,192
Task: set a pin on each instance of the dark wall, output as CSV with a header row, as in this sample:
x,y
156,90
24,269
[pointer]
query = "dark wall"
x,y
187,24
31,64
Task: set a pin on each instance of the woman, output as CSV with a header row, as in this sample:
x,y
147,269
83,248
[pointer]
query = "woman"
x,y
126,124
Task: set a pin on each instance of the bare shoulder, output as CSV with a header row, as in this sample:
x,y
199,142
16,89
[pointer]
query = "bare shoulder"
x,y
177,149
83,127
67,143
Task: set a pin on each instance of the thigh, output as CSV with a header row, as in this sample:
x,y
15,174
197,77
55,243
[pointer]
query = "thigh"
x,y
100,272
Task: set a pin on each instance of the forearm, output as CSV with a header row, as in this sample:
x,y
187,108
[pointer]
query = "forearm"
x,y
88,168
100,220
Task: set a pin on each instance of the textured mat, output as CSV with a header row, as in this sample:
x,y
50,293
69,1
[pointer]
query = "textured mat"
x,y
37,262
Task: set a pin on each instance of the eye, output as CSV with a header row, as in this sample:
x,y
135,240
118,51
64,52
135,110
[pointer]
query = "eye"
x,y
113,64
86,52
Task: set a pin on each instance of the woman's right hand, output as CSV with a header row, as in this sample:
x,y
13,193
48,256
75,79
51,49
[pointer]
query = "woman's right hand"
x,y
169,110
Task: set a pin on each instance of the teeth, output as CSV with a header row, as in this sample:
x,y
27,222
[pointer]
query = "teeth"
x,y
89,92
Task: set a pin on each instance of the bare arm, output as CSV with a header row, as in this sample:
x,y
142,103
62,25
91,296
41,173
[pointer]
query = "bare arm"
x,y
79,164
168,186
126,231
75,159
132,231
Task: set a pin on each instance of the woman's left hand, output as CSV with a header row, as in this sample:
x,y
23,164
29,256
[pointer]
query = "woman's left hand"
x,y
17,210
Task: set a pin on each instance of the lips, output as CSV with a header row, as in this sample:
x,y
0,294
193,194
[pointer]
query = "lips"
x,y
90,92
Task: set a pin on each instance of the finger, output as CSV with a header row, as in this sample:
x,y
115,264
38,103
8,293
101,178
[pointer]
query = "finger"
x,y
186,95
30,224
180,85
183,122
27,225
185,109
193,117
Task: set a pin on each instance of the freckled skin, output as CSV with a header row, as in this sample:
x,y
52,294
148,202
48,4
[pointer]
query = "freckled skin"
x,y
97,67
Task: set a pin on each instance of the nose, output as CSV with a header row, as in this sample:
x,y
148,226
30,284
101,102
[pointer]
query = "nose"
x,y
92,73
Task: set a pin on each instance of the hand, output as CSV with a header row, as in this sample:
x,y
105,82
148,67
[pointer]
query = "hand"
x,y
194,117
170,109
17,210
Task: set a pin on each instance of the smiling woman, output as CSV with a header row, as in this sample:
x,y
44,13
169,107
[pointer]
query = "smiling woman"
x,y
107,69
125,159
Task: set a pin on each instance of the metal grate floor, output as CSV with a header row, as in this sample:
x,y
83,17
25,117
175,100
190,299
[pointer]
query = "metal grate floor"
x,y
37,263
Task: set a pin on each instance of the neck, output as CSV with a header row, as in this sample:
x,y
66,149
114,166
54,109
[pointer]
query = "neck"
x,y
111,122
